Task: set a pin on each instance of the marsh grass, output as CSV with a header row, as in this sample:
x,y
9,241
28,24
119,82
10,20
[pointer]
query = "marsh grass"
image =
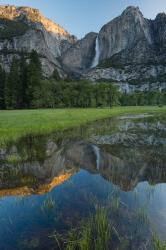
x,y
15,124
13,159
104,230
141,216
157,243
115,204
32,243
73,240
114,200
57,238
96,234
48,205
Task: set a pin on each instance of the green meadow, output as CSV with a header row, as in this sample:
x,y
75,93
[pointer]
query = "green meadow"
x,y
17,123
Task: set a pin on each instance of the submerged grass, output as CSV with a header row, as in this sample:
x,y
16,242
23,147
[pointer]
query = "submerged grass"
x,y
17,123
96,234
158,244
48,205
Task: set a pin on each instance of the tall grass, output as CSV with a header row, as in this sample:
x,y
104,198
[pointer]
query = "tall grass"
x,y
17,123
104,231
95,234
158,244
48,205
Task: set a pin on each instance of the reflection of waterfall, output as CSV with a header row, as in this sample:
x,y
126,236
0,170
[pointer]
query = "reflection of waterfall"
x,y
97,153
95,61
127,88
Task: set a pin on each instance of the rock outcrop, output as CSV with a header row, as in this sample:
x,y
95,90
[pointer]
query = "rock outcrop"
x,y
130,31
132,52
79,57
23,29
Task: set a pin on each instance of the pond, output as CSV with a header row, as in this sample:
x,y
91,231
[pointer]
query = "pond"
x,y
52,186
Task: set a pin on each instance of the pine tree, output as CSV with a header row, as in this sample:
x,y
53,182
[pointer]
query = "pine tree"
x,y
12,86
23,83
2,88
34,74
55,75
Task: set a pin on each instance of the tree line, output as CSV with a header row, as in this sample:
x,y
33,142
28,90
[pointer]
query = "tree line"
x,y
24,87
140,98
19,88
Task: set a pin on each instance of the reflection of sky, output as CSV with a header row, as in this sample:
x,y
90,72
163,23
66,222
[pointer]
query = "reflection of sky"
x,y
158,209
18,215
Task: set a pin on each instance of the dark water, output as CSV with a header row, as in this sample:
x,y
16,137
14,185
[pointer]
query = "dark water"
x,y
51,184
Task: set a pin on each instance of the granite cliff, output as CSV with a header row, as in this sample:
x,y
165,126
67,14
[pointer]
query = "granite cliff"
x,y
23,29
130,50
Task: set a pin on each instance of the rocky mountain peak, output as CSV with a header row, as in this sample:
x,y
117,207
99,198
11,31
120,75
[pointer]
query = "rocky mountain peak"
x,y
161,16
127,48
131,10
32,15
133,14
23,29
124,32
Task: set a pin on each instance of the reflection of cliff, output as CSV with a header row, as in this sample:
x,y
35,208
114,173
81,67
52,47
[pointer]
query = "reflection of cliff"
x,y
38,165
43,188
131,167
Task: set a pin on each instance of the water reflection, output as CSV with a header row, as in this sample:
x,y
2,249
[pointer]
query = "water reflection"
x,y
116,160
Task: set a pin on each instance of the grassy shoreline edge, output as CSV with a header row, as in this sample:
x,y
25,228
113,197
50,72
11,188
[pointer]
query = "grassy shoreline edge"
x,y
15,124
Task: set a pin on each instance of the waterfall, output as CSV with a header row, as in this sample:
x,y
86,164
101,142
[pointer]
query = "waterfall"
x,y
95,61
97,153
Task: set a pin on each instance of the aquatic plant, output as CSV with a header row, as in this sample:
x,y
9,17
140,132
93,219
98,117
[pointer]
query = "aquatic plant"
x,y
141,216
73,240
13,159
157,243
113,200
57,237
32,243
95,234
48,205
115,203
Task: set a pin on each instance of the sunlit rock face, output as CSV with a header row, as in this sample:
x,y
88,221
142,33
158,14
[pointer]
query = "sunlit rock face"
x,y
31,31
32,16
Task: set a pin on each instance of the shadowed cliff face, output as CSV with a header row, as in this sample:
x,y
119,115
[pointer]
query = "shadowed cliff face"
x,y
131,51
127,31
125,154
79,57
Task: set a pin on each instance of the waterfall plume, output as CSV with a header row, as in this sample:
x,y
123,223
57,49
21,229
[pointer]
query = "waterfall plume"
x,y
95,61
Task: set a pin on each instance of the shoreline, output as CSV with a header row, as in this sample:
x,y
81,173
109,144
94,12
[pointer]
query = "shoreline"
x,y
15,124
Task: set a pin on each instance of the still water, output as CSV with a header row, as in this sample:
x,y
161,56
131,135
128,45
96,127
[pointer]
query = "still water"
x,y
52,184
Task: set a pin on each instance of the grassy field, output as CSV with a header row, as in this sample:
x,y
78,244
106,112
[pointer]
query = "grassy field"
x,y
17,123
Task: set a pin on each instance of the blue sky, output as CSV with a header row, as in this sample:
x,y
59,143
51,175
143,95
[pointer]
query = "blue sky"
x,y
82,16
